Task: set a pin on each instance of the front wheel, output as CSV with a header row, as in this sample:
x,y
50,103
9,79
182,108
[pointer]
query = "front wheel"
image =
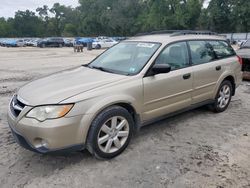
x,y
110,132
223,97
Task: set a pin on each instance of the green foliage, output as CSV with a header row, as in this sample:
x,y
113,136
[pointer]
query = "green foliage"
x,y
128,17
26,24
220,16
4,27
241,10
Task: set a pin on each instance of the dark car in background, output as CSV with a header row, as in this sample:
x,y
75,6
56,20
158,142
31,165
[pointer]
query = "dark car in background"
x,y
51,42
244,53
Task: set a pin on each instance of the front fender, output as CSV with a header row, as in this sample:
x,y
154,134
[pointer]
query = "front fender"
x,y
95,105
93,110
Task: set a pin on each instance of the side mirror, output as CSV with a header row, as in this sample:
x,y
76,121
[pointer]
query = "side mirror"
x,y
160,68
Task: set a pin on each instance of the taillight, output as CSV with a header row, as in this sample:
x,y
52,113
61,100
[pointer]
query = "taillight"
x,y
240,60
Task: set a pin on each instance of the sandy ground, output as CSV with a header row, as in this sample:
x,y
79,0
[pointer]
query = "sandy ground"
x,y
195,149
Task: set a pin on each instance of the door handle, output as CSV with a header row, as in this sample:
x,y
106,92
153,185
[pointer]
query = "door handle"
x,y
218,68
186,76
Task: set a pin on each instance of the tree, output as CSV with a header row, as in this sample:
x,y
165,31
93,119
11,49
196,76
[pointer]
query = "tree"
x,y
128,17
57,20
70,30
3,27
219,14
241,15
27,24
44,16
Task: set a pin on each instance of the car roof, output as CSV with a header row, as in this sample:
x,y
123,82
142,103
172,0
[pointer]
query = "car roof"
x,y
167,38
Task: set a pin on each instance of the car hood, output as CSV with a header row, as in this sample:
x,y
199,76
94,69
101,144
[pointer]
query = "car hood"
x,y
57,87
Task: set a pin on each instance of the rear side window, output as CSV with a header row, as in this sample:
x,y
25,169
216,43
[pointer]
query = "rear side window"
x,y
201,52
222,49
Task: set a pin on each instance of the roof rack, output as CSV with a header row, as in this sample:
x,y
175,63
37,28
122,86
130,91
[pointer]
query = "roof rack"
x,y
158,32
178,32
190,32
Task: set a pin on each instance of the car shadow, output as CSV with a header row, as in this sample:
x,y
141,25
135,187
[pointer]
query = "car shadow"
x,y
173,121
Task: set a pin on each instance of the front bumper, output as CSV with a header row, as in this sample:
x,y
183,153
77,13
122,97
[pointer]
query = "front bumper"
x,y
25,144
58,135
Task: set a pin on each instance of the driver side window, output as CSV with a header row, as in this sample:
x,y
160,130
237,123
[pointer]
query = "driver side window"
x,y
176,55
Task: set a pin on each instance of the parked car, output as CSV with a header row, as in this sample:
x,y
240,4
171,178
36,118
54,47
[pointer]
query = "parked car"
x,y
20,43
244,53
103,43
83,41
10,43
69,42
14,43
51,42
100,105
118,39
2,42
28,42
241,42
31,42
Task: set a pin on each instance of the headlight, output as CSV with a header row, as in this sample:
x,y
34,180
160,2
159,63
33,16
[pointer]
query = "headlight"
x,y
41,113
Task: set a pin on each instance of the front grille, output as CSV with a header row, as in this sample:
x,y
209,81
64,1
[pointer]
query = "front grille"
x,y
16,106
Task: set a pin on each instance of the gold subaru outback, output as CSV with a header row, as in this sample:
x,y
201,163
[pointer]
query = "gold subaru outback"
x,y
100,105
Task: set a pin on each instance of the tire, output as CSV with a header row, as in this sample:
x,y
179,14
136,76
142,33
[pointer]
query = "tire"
x,y
98,46
224,94
105,141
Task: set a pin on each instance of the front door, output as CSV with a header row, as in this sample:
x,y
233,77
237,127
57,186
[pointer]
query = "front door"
x,y
169,92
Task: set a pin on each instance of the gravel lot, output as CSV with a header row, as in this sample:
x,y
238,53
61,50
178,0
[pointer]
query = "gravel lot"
x,y
195,149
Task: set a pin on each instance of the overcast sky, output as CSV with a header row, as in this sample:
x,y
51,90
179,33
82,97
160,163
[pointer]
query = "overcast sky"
x,y
9,7
206,2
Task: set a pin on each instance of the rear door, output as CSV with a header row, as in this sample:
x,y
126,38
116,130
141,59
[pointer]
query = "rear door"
x,y
169,92
207,69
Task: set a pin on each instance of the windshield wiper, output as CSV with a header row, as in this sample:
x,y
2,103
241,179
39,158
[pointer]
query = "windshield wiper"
x,y
106,70
102,69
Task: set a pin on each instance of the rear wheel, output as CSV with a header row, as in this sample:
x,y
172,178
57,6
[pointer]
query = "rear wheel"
x,y
110,132
223,97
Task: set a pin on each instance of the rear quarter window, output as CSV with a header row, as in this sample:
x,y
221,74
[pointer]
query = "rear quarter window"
x,y
201,52
222,49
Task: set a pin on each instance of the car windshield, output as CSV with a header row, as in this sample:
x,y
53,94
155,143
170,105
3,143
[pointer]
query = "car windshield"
x,y
246,44
126,58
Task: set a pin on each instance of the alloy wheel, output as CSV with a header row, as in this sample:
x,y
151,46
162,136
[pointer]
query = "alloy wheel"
x,y
224,96
113,134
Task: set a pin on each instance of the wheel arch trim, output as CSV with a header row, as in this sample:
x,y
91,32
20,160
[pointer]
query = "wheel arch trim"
x,y
229,77
104,104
